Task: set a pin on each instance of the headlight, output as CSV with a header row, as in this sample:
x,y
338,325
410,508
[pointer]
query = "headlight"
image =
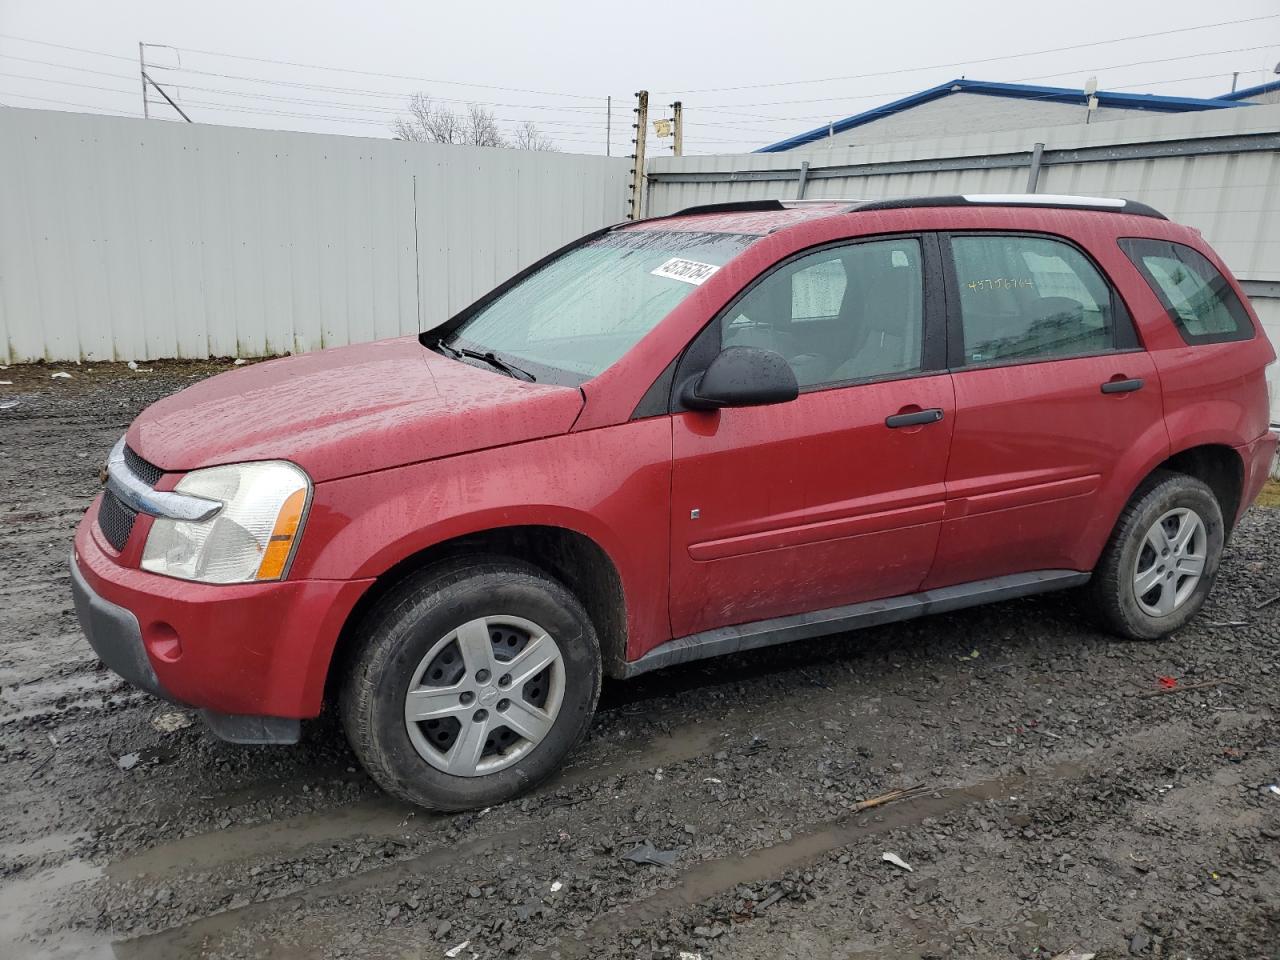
x,y
251,538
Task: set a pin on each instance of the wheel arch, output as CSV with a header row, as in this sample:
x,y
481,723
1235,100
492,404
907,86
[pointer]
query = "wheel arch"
x,y
1221,468
575,559
1218,465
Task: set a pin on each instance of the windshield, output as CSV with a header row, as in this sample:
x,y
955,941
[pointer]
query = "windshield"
x,y
579,314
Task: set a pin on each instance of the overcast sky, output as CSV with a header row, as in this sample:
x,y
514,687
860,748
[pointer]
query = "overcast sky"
x,y
747,73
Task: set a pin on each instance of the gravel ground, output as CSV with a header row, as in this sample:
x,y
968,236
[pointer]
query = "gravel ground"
x,y
1066,798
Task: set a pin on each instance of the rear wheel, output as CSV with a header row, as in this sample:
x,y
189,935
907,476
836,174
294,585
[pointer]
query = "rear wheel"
x,y
473,682
1162,559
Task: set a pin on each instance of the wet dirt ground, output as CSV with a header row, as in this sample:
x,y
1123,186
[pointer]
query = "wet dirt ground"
x,y
1067,797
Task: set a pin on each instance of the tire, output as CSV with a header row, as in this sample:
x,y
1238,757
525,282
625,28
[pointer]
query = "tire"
x,y
517,607
1172,498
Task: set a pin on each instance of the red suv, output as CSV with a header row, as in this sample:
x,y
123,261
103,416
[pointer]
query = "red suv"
x,y
733,427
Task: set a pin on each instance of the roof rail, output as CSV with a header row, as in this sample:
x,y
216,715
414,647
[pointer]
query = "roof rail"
x,y
1049,200
750,206
731,206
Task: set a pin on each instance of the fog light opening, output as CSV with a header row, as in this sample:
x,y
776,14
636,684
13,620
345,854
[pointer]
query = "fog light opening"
x,y
163,642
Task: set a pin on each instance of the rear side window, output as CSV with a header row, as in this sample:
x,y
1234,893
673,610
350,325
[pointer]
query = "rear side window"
x,y
1026,298
1196,296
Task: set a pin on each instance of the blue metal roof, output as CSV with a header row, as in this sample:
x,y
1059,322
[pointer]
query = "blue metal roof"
x,y
1123,101
1252,91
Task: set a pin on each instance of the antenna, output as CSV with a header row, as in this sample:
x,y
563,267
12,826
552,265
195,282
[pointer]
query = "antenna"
x,y
1090,98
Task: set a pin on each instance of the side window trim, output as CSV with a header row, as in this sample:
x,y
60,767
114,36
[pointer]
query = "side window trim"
x,y
705,344
1125,335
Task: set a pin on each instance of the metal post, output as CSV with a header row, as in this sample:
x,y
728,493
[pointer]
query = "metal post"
x,y
142,72
802,179
641,127
1235,78
608,126
1033,175
677,117
147,79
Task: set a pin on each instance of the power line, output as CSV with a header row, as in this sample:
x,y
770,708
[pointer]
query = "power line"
x,y
903,93
67,66
1145,63
68,83
89,106
359,90
810,118
395,95
63,46
307,66
964,63
390,76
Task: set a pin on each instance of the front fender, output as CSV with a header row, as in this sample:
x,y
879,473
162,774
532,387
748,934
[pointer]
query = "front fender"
x,y
610,485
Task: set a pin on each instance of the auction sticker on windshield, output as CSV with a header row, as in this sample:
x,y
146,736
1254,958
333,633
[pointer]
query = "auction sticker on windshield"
x,y
690,271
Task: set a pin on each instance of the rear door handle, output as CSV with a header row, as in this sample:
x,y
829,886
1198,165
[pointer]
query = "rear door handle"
x,y
1123,386
932,415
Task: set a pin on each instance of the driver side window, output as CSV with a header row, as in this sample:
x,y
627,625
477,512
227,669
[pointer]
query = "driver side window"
x,y
853,312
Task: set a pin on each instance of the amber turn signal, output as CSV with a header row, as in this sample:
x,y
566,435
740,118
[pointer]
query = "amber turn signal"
x,y
276,556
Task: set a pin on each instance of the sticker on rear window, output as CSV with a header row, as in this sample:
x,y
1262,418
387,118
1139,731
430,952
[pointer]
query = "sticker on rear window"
x,y
690,271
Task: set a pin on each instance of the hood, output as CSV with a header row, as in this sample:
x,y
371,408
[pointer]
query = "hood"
x,y
348,411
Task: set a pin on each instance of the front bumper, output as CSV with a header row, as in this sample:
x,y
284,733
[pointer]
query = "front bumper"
x,y
114,634
253,658
116,638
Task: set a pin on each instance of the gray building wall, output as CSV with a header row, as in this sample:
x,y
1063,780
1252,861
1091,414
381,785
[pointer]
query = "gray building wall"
x,y
1271,96
961,114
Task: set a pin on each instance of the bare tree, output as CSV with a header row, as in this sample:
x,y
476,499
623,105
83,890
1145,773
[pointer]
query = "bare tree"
x,y
429,122
528,137
482,128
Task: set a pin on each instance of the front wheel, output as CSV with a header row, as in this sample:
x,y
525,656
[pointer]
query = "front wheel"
x,y
1162,559
473,682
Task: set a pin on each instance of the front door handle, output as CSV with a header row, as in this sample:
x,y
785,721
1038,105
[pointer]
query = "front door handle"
x,y
1123,386
932,415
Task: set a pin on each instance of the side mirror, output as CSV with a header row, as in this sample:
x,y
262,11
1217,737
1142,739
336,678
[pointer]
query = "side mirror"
x,y
742,377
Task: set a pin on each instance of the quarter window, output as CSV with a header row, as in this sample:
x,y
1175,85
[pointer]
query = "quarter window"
x,y
1196,296
845,313
1029,298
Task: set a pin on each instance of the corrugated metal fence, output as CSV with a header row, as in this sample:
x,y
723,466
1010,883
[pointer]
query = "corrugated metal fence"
x,y
1218,171
127,239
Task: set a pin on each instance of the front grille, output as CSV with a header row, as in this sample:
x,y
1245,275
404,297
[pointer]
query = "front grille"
x,y
116,520
148,473
115,517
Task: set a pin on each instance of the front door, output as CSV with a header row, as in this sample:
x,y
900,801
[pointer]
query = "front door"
x,y
837,496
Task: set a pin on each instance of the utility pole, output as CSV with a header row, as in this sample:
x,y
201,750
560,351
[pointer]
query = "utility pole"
x,y
641,127
608,126
677,118
142,72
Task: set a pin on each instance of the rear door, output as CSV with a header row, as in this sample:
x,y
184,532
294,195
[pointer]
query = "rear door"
x,y
1052,393
837,496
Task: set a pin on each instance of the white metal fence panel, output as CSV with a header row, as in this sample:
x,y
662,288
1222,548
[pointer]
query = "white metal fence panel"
x,y
126,239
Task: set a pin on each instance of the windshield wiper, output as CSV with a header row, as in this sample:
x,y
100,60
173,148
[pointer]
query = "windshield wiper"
x,y
489,357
